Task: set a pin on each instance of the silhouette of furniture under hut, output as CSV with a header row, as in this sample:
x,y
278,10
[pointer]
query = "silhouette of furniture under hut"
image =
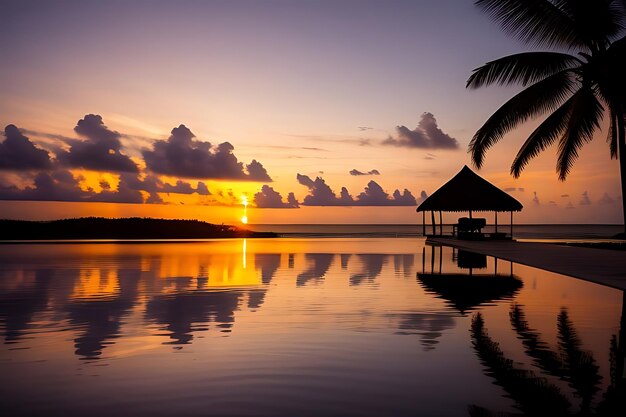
x,y
467,191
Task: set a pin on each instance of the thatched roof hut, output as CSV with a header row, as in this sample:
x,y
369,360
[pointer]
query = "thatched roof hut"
x,y
467,191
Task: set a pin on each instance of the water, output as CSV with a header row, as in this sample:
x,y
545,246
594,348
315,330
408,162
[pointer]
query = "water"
x,y
522,231
290,326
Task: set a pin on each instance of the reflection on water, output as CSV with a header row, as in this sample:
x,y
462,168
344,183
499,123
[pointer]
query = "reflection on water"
x,y
98,318
536,395
461,292
319,264
429,326
299,327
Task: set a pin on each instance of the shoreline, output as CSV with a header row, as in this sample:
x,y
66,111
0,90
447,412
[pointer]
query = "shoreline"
x,y
600,266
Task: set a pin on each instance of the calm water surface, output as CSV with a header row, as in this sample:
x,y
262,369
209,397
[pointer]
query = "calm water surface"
x,y
294,327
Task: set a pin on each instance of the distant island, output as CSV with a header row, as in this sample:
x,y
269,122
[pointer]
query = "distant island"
x,y
124,228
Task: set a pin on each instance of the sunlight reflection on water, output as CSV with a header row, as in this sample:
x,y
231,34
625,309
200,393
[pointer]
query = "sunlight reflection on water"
x,y
280,327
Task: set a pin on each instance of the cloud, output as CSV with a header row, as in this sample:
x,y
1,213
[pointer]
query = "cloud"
x,y
291,200
100,151
182,187
180,155
56,186
584,199
152,184
18,153
374,195
430,156
513,189
564,195
54,136
130,186
606,199
364,128
371,172
536,199
202,189
61,185
404,199
256,172
269,198
128,191
426,135
320,194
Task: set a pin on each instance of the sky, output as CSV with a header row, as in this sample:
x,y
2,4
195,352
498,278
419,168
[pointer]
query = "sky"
x,y
314,111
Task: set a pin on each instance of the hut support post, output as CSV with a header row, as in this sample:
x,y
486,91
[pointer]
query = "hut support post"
x,y
440,258
496,222
424,223
511,225
440,224
432,215
470,214
432,259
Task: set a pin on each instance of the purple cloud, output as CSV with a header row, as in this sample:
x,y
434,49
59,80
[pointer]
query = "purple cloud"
x,y
100,151
356,172
56,186
180,155
18,153
320,194
270,198
426,135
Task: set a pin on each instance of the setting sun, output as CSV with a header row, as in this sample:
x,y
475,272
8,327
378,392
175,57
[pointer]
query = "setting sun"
x,y
244,218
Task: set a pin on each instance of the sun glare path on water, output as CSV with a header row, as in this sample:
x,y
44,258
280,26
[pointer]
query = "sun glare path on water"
x,y
244,218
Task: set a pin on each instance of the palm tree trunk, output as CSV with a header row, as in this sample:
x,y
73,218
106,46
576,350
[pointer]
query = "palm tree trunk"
x,y
621,148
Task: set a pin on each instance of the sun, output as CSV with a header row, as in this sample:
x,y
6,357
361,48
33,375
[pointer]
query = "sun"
x,y
244,218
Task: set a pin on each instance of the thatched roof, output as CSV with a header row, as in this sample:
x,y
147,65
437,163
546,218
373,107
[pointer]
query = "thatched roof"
x,y
468,191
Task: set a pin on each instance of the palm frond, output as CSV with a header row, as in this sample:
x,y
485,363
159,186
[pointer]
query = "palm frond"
x,y
582,371
537,22
545,95
584,120
525,68
612,83
612,137
542,137
543,357
597,21
534,395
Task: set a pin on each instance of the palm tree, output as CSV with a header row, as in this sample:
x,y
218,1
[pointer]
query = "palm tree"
x,y
576,90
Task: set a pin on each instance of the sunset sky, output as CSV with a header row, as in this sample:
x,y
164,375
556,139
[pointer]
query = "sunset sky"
x,y
179,109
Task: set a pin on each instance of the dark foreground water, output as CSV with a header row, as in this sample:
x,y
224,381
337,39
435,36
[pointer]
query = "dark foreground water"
x,y
296,327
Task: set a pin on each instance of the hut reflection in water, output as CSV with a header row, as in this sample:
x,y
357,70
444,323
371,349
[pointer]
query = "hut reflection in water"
x,y
466,291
